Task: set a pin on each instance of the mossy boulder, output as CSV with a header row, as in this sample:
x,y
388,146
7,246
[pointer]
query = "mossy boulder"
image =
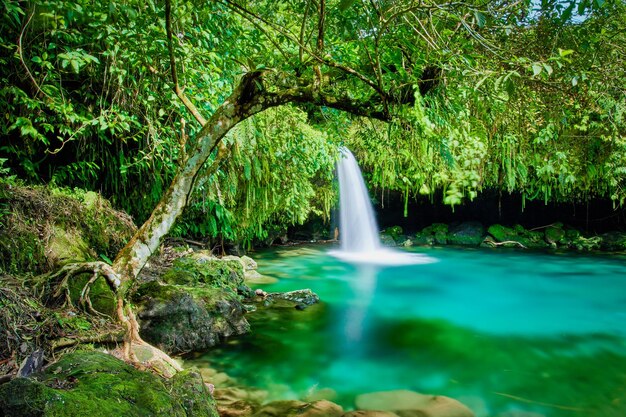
x,y
179,318
511,236
582,243
45,227
555,234
467,234
613,241
203,268
438,232
502,233
394,231
423,239
97,384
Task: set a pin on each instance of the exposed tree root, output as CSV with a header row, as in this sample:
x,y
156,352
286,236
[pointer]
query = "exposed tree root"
x,y
97,270
108,337
134,345
134,350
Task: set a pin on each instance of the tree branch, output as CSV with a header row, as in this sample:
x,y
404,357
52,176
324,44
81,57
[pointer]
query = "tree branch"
x,y
170,46
251,16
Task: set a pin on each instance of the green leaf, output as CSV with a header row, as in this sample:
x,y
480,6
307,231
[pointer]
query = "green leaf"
x,y
75,66
481,19
548,69
345,4
536,69
565,52
106,259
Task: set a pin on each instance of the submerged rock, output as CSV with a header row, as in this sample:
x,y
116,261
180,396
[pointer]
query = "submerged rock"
x,y
97,384
406,401
299,299
295,408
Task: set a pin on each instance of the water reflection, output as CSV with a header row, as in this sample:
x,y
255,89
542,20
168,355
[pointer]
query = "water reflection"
x,y
362,290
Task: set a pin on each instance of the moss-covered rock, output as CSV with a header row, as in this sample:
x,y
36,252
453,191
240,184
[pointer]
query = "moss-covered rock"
x,y
423,239
613,241
502,233
582,243
394,231
467,234
203,268
438,231
180,318
97,384
554,233
531,239
43,228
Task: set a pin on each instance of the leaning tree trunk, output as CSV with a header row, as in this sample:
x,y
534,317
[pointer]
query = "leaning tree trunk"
x,y
249,98
132,258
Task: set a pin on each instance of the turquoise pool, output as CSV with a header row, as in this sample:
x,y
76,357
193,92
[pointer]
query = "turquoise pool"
x,y
502,330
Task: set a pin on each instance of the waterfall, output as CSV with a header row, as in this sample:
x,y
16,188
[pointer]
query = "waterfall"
x,y
358,228
358,231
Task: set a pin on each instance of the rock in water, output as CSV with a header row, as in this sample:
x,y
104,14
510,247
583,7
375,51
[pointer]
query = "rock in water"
x,y
404,400
299,299
294,408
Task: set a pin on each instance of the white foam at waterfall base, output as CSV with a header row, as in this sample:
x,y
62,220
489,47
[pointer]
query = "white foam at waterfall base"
x,y
358,231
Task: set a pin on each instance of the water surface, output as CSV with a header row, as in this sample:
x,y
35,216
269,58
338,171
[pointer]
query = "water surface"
x,y
501,330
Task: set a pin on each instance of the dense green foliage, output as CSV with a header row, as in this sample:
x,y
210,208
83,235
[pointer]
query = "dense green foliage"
x,y
537,109
522,97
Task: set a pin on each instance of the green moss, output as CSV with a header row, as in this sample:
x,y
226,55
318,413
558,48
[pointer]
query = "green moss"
x,y
502,233
101,296
201,269
67,246
394,231
555,233
47,227
93,383
438,231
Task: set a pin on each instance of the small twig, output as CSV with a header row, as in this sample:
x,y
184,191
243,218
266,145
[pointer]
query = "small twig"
x,y
542,227
170,46
20,51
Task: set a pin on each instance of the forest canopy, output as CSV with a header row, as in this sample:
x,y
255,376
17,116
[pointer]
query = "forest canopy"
x,y
432,96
